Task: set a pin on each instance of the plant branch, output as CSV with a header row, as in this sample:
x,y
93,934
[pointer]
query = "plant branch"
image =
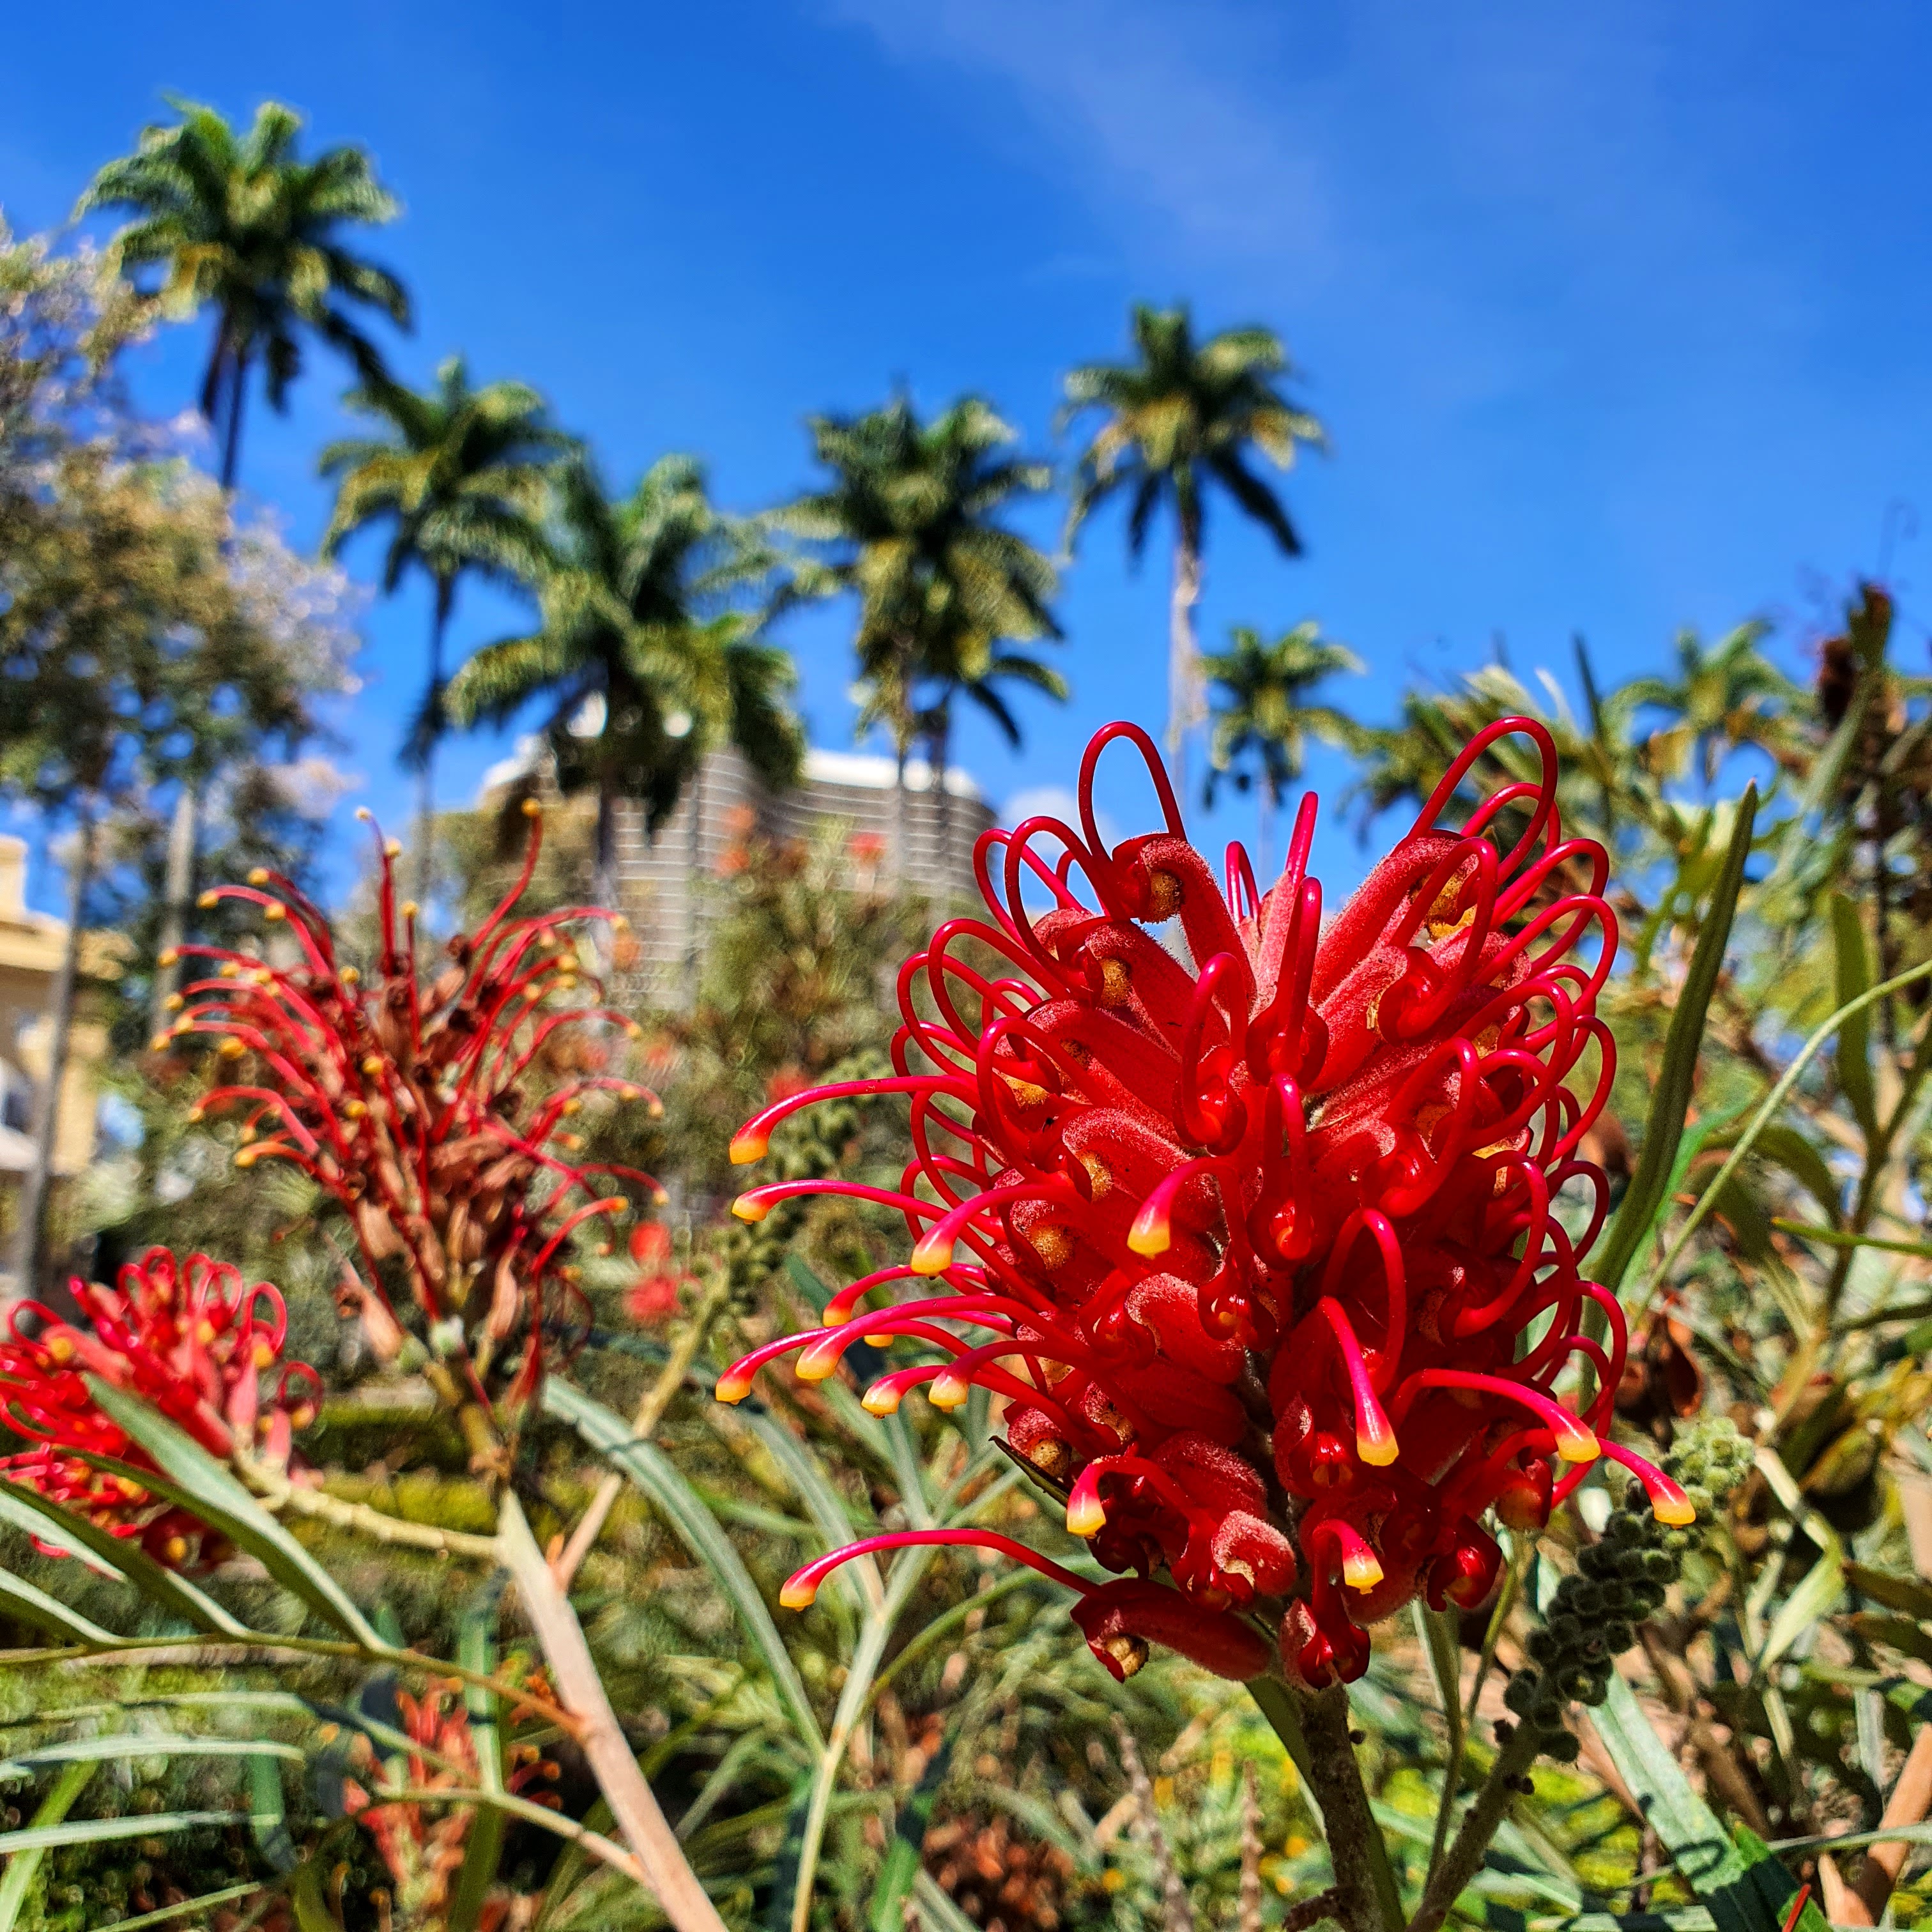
x,y
1480,1823
668,1874
395,1531
1354,1844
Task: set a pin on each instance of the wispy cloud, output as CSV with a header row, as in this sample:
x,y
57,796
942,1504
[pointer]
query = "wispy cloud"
x,y
1140,97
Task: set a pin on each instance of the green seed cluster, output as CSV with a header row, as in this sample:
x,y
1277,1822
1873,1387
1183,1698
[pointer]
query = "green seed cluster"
x,y
1620,1580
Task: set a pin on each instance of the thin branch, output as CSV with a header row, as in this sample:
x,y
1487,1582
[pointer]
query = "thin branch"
x,y
1354,1837
1480,1823
1249,1907
1176,1914
1311,1911
394,1532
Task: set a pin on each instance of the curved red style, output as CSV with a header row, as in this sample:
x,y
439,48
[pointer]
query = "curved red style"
x,y
1254,1249
190,1338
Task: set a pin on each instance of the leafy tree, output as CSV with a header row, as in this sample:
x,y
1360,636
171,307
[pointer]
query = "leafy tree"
x,y
117,611
240,223
1182,416
909,525
640,665
1262,714
461,480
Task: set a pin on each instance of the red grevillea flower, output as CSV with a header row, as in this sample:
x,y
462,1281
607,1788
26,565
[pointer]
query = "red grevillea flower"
x,y
654,1295
191,1339
1261,1254
440,1116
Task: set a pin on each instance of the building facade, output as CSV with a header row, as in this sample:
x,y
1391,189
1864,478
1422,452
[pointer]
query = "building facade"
x,y
923,843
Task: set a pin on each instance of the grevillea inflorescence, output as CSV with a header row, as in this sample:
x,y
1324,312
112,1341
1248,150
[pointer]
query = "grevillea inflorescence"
x,y
441,1116
192,1339
1261,1254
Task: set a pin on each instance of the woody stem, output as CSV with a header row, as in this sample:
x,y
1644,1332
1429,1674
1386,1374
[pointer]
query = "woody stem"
x,y
1354,1843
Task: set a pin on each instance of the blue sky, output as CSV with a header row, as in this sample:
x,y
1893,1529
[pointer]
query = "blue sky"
x,y
1617,316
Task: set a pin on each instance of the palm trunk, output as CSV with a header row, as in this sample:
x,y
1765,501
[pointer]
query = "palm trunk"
x,y
1183,659
32,1249
445,596
938,750
184,829
901,818
1264,836
604,885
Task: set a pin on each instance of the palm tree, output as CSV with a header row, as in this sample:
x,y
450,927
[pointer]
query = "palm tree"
x,y
639,682
1182,416
461,480
1728,694
909,525
1262,712
238,223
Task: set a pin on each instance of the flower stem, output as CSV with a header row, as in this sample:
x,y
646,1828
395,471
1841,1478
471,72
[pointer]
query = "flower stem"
x,y
1364,1899
1479,1826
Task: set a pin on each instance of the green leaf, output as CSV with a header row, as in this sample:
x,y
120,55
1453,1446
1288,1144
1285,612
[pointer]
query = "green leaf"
x,y
1898,1633
312,1911
1647,1196
937,1910
1725,1875
191,1477
476,1650
698,1529
20,1600
1810,1603
905,1856
145,1743
22,1866
1911,1595
190,1911
1851,975
107,1830
124,1557
267,1815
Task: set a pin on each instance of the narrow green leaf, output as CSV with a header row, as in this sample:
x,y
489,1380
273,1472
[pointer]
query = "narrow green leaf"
x,y
191,1478
476,1650
905,1856
312,1911
698,1529
124,1558
1911,1595
1851,975
107,1830
1276,1702
1813,1599
268,1814
20,1599
936,1905
145,1743
785,1873
194,1908
23,1867
1646,1196
1898,1633
1722,1874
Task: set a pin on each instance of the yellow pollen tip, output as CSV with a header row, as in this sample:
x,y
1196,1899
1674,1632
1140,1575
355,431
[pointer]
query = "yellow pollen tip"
x,y
158,1044
264,1354
1361,1571
207,900
60,1347
815,1366
349,976
947,1391
532,809
231,1049
246,1156
733,1388
656,1110
392,848
372,1064
1675,1511
659,1199
174,1002
354,1109
258,875
175,1550
1378,1448
363,812
275,910
169,956
408,908
1576,1445
618,923
1150,1236
797,1596
194,1114
746,1148
633,1030
931,1257
880,1400
1086,1517
748,1207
